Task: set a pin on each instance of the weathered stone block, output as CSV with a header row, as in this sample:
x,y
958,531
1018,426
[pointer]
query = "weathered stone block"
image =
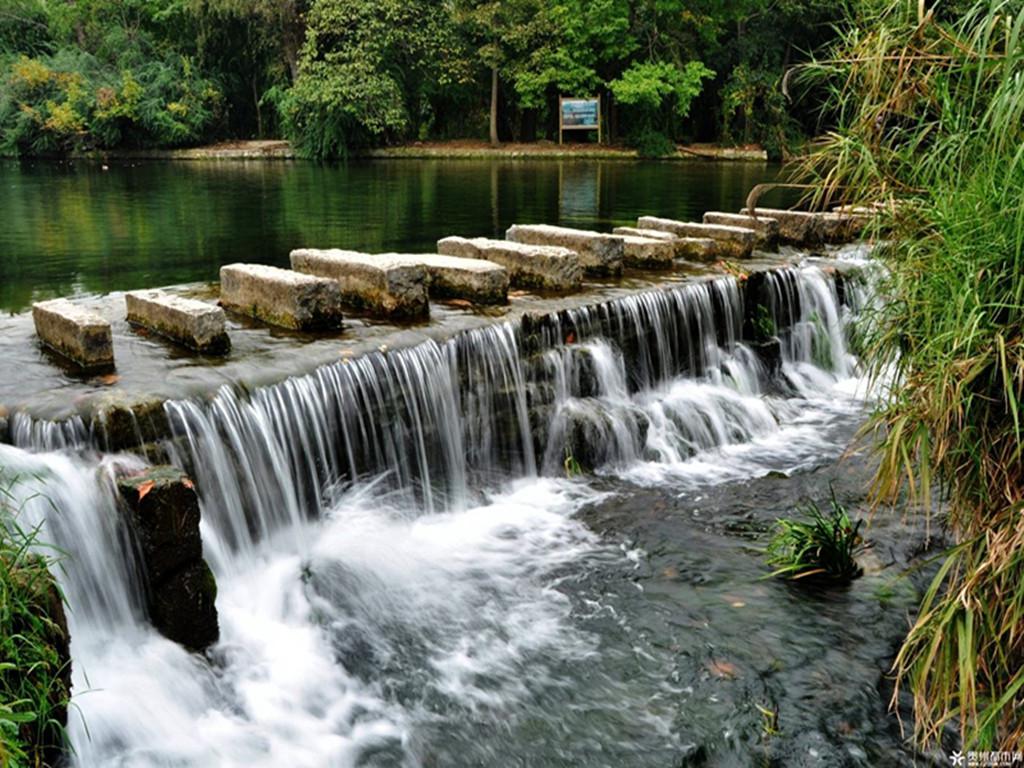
x,y
601,254
795,227
196,324
75,332
688,248
841,227
648,252
546,267
766,229
452,277
281,297
384,284
734,242
128,422
163,512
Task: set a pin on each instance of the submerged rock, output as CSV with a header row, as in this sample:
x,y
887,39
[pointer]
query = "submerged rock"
x,y
180,588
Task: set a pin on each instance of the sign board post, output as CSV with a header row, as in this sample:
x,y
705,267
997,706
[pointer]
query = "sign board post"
x,y
579,115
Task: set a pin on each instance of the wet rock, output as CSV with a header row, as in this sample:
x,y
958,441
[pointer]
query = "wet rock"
x,y
78,334
546,267
281,297
381,283
126,423
163,511
769,352
195,324
601,254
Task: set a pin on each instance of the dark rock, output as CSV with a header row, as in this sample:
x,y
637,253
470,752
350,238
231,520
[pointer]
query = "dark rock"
x,y
184,607
126,424
769,352
163,511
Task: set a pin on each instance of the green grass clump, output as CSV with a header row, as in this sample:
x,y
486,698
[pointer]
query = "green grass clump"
x,y
929,105
34,661
822,547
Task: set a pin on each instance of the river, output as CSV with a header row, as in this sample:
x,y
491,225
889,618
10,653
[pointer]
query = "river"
x,y
407,575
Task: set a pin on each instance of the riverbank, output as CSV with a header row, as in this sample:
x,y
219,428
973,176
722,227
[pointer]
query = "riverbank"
x,y
275,149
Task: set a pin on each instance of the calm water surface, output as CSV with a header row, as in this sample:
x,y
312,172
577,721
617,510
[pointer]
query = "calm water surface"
x,y
77,230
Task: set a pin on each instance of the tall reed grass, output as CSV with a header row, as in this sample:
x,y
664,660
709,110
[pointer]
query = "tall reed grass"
x,y
34,660
931,118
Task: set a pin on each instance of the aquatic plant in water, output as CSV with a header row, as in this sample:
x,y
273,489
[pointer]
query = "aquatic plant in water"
x,y
822,546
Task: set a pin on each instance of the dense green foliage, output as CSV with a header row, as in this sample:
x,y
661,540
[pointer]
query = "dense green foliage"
x,y
336,74
932,131
817,546
33,649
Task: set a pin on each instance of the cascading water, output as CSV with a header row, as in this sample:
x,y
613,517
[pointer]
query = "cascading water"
x,y
387,556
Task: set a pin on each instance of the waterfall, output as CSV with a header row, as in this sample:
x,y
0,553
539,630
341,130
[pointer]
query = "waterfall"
x,y
385,530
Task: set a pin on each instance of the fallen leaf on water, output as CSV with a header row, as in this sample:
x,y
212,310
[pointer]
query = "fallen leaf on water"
x,y
670,572
108,379
346,353
518,294
145,488
460,303
724,669
738,604
571,338
188,484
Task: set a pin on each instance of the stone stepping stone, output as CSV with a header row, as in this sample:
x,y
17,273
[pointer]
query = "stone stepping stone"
x,y
795,227
733,242
601,254
77,333
767,229
687,248
382,283
454,277
195,324
546,267
281,297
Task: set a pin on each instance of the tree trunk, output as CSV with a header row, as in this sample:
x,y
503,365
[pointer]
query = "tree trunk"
x,y
494,106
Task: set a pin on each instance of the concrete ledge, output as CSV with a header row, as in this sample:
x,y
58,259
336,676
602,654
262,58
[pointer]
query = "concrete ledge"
x,y
841,226
546,267
281,297
766,229
383,284
196,324
688,248
601,254
80,335
733,242
453,277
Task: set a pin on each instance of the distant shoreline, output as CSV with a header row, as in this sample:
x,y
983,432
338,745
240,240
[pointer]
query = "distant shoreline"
x,y
462,149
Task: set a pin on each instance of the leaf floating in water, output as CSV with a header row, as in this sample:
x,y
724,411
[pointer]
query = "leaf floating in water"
x,y
109,379
571,338
145,488
518,294
346,353
723,669
464,303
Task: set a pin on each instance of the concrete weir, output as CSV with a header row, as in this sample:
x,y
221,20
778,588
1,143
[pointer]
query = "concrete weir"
x,y
384,284
281,297
601,254
688,248
766,229
195,324
546,267
80,335
452,277
733,242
